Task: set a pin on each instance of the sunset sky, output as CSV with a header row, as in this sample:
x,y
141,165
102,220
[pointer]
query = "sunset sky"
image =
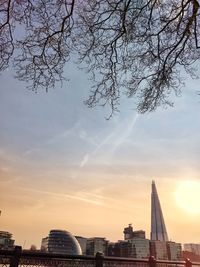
x,y
64,166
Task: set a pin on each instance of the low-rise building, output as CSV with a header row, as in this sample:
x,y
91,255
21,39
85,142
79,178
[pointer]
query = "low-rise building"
x,y
135,248
158,249
44,244
130,234
6,241
174,251
97,244
191,247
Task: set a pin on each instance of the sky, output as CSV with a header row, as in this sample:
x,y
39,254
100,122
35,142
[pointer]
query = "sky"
x,y
64,166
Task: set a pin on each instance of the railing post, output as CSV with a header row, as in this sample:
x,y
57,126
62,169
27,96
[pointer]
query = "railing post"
x,y
99,259
188,263
152,261
16,256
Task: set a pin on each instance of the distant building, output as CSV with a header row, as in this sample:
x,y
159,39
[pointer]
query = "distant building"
x,y
135,248
111,250
158,249
130,234
44,244
174,251
142,248
126,249
158,228
83,243
114,249
6,241
135,244
190,255
169,250
139,234
191,247
97,244
61,242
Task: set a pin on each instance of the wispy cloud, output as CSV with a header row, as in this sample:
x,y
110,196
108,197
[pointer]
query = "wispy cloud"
x,y
84,160
80,196
113,140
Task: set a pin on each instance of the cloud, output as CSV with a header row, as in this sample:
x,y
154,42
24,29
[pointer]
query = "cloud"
x,y
84,160
80,196
111,142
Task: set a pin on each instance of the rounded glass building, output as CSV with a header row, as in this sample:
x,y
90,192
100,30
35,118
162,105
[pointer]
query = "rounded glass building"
x,y
63,242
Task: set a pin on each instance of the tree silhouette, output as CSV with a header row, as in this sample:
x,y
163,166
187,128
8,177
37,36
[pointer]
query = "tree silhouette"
x,y
132,47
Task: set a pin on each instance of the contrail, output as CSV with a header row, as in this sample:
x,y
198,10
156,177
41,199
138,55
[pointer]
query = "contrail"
x,y
126,132
120,135
75,197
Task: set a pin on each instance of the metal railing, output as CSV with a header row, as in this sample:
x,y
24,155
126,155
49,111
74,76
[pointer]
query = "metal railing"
x,y
19,258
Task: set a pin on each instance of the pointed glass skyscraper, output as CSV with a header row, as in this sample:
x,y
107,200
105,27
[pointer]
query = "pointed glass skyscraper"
x,y
158,229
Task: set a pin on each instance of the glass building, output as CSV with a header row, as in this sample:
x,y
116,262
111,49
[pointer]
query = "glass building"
x,y
158,228
63,242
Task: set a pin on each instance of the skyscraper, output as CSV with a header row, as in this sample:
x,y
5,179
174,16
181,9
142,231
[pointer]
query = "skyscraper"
x,y
158,229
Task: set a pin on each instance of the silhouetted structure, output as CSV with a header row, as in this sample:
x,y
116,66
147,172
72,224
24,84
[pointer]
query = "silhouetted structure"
x,y
97,244
190,255
191,247
130,234
6,241
158,229
160,247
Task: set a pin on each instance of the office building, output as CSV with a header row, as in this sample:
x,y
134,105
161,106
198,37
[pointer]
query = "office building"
x,y
61,242
44,244
97,244
130,234
174,251
158,228
114,249
6,241
135,248
191,247
134,245
158,249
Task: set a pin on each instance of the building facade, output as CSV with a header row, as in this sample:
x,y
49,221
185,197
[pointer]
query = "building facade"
x,y
44,244
174,251
97,244
158,228
158,249
135,248
61,242
83,243
191,247
6,241
130,234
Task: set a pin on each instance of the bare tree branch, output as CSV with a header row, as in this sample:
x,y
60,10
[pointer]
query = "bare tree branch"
x,y
128,47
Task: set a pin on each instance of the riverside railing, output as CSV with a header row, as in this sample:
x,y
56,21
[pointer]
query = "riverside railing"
x,y
20,258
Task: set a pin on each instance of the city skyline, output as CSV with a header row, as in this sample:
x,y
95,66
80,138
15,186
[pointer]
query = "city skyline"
x,y
104,236
65,166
